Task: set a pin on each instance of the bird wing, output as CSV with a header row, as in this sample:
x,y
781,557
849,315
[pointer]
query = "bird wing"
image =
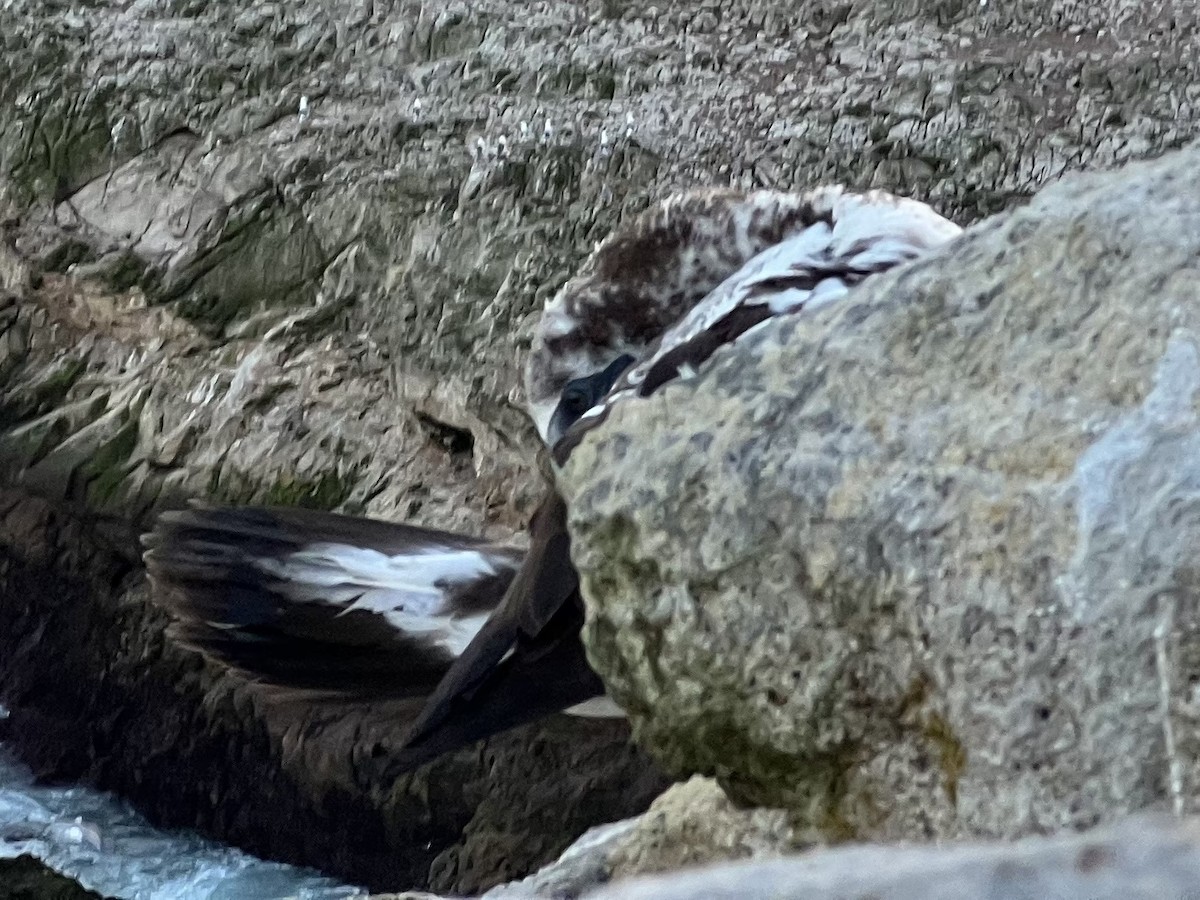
x,y
491,636
528,660
315,600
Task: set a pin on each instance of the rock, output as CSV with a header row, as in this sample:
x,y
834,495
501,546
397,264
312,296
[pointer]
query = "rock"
x,y
923,564
695,822
26,878
585,864
1145,858
293,253
361,208
692,822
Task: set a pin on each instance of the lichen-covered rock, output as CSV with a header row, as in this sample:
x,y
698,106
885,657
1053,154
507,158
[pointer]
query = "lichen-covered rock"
x,y
923,563
695,822
412,180
1143,858
692,823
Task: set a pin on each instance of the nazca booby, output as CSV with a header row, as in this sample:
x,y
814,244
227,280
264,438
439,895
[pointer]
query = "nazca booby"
x,y
487,634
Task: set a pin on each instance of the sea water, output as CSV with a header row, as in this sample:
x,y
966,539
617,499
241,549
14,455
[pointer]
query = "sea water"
x,y
100,841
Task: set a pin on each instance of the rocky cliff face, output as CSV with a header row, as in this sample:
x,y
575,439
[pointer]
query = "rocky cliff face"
x,y
292,252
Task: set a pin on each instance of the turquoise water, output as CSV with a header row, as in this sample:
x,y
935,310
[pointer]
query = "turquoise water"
x,y
99,840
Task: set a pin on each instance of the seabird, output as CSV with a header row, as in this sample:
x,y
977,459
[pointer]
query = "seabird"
x,y
488,634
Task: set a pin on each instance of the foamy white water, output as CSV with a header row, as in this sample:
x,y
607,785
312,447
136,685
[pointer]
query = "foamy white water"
x,y
99,840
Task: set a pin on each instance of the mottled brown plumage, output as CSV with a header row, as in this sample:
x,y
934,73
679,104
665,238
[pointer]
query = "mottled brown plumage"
x,y
646,275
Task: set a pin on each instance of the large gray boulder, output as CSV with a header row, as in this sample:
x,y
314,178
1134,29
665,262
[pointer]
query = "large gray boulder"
x,y
1144,858
924,563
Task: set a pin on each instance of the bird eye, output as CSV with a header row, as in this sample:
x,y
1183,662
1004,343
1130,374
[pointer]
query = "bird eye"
x,y
581,394
575,401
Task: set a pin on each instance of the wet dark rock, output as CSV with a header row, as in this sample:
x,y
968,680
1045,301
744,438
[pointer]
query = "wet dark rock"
x,y
96,693
26,878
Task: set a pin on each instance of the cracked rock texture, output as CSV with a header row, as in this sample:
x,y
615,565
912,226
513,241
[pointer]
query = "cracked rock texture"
x,y
924,564
293,252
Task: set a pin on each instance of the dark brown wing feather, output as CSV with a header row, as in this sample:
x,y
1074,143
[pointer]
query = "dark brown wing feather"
x,y
222,574
528,660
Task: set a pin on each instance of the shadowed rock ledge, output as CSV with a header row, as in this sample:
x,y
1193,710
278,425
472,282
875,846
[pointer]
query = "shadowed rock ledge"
x,y
108,700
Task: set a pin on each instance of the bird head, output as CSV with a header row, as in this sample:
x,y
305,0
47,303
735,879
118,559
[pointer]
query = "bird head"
x,y
638,282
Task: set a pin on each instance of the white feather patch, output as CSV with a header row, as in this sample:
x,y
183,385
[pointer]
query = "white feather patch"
x,y
602,707
410,590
